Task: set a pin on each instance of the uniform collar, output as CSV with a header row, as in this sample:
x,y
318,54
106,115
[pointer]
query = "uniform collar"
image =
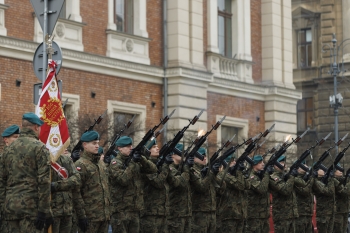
x,y
26,132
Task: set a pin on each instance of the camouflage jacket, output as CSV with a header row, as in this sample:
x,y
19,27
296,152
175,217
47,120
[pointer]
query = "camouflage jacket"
x,y
258,196
180,202
342,196
204,189
25,178
127,184
156,192
66,190
325,200
304,194
232,203
94,190
284,202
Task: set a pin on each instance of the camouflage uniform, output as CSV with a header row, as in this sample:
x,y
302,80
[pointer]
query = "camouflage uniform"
x,y
325,205
3,221
232,204
203,200
127,192
25,182
156,201
342,199
305,202
180,202
284,203
258,207
66,195
95,199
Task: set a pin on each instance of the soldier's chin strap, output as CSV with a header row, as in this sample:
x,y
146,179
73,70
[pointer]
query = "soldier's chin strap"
x,y
61,171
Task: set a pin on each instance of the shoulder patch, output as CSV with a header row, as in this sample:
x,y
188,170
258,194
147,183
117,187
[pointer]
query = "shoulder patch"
x,y
114,162
276,179
251,177
79,168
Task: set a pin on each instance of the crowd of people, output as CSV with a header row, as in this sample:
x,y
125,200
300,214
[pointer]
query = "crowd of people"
x,y
132,194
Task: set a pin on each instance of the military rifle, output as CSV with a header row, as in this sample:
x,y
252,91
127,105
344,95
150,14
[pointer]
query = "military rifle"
x,y
346,176
141,146
112,146
273,159
270,151
97,121
304,155
332,167
169,146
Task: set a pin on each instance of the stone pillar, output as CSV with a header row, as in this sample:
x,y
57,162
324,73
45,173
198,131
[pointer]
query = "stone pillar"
x,y
196,34
346,28
212,27
140,18
73,10
3,7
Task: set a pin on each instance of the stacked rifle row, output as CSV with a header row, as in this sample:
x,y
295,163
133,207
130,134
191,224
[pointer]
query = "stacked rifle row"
x,y
251,146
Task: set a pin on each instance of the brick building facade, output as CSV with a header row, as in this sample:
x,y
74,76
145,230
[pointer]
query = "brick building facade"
x,y
167,55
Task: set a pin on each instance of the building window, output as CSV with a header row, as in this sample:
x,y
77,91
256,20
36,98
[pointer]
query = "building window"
x,y
225,27
305,114
124,15
304,48
227,133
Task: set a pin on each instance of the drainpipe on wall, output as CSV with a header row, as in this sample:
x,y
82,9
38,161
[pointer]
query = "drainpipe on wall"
x,y
165,65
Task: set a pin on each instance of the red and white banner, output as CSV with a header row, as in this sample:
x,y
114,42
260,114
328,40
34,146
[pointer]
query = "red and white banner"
x,y
54,132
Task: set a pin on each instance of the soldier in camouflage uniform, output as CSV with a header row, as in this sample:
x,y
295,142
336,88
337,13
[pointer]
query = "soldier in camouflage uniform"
x,y
25,180
232,204
65,195
305,201
94,205
342,200
180,211
9,135
127,187
258,207
284,203
156,195
325,203
204,196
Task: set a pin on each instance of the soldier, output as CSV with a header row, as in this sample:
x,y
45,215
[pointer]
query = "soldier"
x,y
204,195
258,206
25,180
127,186
342,200
180,211
232,205
156,194
325,203
65,194
10,134
93,210
284,203
305,199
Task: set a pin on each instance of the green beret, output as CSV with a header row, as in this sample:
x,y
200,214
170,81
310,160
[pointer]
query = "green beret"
x,y
32,118
202,151
13,129
257,159
100,150
180,147
90,136
123,141
228,159
151,143
281,159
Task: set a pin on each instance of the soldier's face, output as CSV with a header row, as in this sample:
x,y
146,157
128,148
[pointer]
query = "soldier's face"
x,y
259,166
197,160
320,173
91,147
338,173
176,158
154,151
125,150
10,139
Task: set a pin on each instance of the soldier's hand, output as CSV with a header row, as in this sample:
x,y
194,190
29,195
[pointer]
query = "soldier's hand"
x,y
136,157
270,169
241,166
294,172
53,189
169,159
48,222
83,224
204,171
190,161
315,173
215,168
107,159
75,155
40,221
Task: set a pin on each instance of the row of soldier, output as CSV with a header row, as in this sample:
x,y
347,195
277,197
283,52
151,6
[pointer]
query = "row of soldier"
x,y
141,197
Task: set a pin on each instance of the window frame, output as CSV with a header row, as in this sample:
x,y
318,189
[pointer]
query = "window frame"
x,y
306,44
128,23
228,36
305,112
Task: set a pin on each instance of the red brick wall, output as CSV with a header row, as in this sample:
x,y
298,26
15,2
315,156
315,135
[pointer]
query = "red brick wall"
x,y
17,100
155,31
205,32
255,14
219,104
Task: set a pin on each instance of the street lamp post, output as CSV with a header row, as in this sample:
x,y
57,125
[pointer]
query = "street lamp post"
x,y
337,99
